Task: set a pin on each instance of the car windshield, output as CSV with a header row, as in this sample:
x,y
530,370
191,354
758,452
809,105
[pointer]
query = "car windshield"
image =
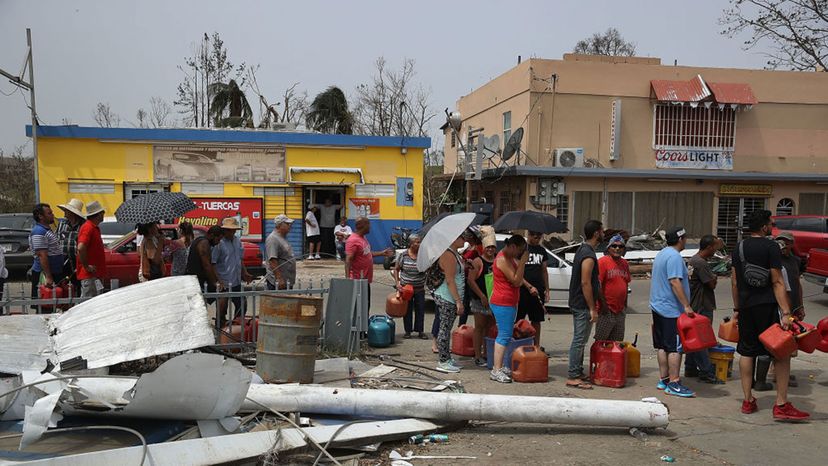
x,y
116,228
121,239
14,222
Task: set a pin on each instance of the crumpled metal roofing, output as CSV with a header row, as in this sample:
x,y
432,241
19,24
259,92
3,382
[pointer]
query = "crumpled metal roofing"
x,y
733,93
697,90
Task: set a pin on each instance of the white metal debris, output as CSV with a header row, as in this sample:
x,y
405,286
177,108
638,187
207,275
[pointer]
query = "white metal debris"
x,y
146,319
451,407
24,343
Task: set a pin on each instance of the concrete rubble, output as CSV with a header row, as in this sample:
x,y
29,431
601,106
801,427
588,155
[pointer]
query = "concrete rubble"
x,y
60,372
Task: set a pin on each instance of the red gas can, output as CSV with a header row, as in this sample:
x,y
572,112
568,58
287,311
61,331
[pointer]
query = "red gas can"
x,y
780,343
729,330
822,328
695,333
608,364
462,341
523,329
530,364
807,336
395,306
407,292
59,291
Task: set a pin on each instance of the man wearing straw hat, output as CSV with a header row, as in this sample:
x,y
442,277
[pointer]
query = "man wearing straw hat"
x,y
228,258
91,260
67,231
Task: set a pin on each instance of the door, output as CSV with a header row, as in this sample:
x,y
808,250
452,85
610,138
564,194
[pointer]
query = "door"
x,y
318,196
560,273
732,218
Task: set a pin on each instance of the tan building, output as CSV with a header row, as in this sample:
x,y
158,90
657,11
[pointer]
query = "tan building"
x,y
639,144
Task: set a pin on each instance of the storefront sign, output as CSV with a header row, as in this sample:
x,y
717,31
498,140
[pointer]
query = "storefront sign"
x,y
363,207
615,131
745,190
239,164
211,210
698,159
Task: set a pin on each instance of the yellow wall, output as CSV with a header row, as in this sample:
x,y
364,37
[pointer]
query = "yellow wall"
x,y
91,161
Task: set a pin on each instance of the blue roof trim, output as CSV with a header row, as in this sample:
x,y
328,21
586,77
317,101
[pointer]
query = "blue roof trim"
x,y
224,135
722,175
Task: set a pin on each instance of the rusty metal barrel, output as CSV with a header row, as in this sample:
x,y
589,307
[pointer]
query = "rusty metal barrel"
x,y
288,338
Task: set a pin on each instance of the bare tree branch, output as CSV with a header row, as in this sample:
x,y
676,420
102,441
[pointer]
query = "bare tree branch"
x,y
105,117
609,43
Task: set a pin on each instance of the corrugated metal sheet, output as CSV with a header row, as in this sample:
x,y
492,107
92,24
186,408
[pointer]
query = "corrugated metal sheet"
x,y
695,90
286,201
733,93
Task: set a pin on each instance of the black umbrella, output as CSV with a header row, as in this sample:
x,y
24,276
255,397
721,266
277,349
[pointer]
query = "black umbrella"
x,y
529,220
478,219
154,207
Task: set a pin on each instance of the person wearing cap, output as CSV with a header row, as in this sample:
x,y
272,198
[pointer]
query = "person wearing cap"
x,y
228,259
614,276
281,264
703,301
91,260
67,231
535,290
759,296
669,297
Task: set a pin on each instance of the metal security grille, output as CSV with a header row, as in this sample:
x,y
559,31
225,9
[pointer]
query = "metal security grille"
x,y
732,217
685,127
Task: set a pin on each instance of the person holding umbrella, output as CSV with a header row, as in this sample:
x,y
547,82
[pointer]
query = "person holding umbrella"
x,y
535,290
151,265
508,270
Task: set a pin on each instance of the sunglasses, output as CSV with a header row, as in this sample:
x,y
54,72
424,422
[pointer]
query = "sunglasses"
x,y
617,246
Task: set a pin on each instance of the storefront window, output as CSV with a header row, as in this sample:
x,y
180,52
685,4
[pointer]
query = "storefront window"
x,y
785,207
685,127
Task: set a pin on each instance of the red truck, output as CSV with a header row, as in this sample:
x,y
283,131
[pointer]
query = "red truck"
x,y
817,270
810,231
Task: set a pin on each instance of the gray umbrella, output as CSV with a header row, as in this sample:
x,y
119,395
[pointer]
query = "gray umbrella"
x,y
154,207
440,236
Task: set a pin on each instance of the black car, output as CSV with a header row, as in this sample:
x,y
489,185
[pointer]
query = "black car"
x,y
14,239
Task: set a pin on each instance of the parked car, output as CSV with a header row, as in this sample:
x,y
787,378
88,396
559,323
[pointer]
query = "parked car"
x,y
122,256
559,271
112,229
14,239
810,231
817,270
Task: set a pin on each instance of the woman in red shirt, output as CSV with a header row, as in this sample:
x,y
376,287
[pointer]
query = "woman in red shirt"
x,y
508,278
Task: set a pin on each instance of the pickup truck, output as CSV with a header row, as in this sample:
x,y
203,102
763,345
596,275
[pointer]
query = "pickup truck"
x,y
817,270
809,231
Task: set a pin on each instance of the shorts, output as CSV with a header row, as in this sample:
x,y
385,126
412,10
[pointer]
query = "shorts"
x,y
752,322
665,333
314,238
610,326
476,307
531,306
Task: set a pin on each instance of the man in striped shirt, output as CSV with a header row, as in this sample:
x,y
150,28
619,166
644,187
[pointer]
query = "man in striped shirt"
x,y
45,246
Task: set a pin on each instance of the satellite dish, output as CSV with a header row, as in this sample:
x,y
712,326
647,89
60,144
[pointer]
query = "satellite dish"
x,y
513,145
454,120
491,146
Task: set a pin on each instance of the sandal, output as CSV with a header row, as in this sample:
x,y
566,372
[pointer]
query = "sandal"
x,y
581,385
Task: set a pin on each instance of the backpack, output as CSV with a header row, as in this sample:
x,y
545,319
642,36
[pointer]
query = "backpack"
x,y
434,277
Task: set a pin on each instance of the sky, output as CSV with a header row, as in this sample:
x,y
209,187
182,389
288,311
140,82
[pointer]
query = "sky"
x,y
125,52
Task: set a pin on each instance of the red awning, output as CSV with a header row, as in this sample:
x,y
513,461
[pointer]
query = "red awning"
x,y
733,93
694,90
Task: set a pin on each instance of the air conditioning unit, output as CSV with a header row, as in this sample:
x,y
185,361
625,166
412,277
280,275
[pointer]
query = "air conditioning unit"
x,y
569,157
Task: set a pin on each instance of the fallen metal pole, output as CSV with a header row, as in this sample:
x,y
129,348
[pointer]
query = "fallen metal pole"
x,y
455,407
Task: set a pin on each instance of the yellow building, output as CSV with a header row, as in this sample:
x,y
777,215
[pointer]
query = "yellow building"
x,y
255,175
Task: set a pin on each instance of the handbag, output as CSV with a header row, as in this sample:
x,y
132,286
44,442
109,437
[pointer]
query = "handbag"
x,y
754,275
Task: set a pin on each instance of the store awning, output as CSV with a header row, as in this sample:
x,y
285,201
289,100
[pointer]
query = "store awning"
x,y
692,91
325,175
733,93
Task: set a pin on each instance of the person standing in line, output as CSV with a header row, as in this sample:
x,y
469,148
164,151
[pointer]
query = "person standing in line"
x,y
199,260
472,236
312,232
479,303
281,264
150,252
703,301
327,222
507,278
669,297
759,295
45,247
448,298
584,298
535,290
359,259
180,248
91,260
4,272
67,231
406,273
341,233
614,276
228,257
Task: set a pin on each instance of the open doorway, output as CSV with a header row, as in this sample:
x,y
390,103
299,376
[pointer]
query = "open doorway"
x,y
331,206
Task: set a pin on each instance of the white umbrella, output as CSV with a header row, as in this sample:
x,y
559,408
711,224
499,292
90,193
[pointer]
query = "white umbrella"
x,y
439,238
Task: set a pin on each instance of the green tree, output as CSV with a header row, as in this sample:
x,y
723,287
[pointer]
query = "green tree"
x,y
329,113
229,107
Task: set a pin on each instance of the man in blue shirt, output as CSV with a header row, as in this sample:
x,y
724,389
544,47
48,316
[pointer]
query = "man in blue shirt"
x,y
228,258
669,297
46,249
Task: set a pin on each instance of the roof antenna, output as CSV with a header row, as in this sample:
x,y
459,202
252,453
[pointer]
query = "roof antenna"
x,y
675,62
518,59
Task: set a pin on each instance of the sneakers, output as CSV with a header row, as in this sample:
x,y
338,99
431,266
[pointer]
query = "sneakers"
x,y
749,407
506,371
500,376
787,412
711,379
662,383
677,389
448,366
317,257
480,362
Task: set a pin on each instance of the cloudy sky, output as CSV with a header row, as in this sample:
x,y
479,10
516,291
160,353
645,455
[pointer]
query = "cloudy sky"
x,y
124,52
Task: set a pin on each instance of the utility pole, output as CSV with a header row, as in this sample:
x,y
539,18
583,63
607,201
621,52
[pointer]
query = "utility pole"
x,y
21,83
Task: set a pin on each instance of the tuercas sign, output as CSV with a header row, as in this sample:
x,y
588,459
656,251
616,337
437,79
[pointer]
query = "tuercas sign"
x,y
698,159
211,211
